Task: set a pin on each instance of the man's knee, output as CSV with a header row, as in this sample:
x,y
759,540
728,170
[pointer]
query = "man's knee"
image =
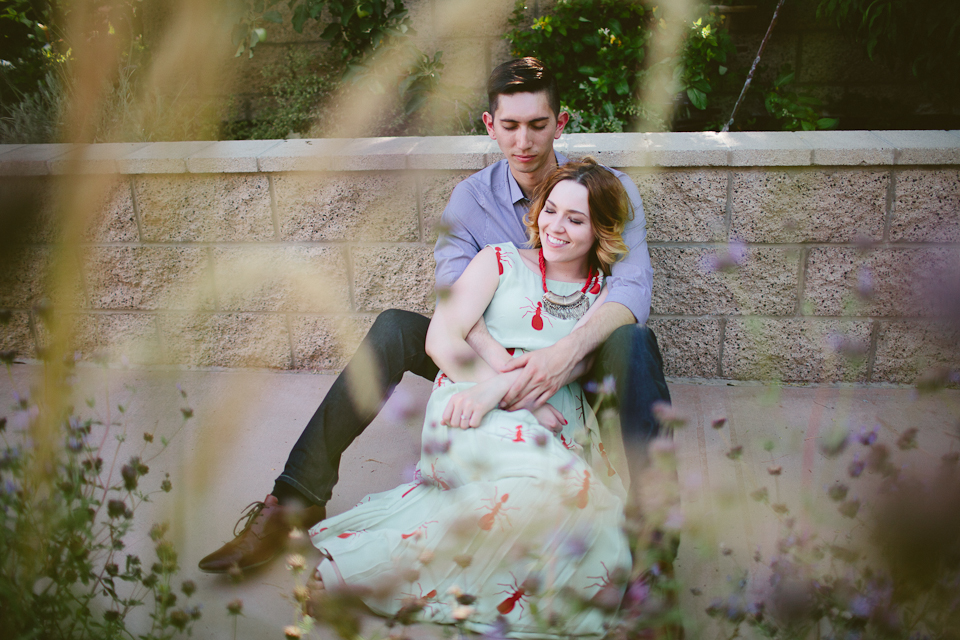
x,y
394,323
633,339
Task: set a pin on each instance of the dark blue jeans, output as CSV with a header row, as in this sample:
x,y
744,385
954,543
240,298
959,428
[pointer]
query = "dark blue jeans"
x,y
395,344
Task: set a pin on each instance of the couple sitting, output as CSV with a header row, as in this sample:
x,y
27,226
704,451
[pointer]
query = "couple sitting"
x,y
516,500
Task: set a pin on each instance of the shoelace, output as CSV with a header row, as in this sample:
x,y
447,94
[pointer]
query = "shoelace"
x,y
251,512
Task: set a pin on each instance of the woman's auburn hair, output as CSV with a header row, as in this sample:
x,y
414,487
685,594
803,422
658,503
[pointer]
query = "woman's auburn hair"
x,y
610,209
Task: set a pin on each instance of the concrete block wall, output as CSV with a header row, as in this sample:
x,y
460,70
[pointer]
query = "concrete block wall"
x,y
801,257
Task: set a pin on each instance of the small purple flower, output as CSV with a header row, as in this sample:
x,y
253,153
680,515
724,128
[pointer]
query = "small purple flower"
x,y
861,607
575,546
856,466
668,416
118,509
499,630
867,438
9,488
847,346
609,386
638,592
401,406
726,260
864,287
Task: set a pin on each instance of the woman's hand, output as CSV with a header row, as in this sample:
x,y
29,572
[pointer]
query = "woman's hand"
x,y
467,408
549,417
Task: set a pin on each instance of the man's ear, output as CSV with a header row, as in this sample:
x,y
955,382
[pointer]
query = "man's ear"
x,y
562,121
488,120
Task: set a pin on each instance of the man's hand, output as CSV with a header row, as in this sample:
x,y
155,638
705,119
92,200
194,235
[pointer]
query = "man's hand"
x,y
542,373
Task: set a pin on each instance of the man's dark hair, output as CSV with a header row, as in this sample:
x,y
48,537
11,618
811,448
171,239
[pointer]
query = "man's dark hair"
x,y
523,75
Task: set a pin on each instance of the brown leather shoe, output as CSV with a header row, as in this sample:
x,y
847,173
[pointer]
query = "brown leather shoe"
x,y
263,536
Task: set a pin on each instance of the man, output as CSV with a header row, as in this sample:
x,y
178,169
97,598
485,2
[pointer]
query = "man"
x,y
488,207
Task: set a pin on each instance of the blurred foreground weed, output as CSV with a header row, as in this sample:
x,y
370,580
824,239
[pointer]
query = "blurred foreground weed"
x,y
877,555
68,504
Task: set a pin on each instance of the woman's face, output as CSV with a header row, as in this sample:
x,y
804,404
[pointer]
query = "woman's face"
x,y
566,232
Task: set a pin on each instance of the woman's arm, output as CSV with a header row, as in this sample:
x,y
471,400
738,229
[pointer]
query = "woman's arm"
x,y
456,314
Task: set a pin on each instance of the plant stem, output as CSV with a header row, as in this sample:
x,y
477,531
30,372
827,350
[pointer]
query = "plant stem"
x,y
753,68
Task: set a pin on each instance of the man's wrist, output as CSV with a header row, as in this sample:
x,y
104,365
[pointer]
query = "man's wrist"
x,y
571,344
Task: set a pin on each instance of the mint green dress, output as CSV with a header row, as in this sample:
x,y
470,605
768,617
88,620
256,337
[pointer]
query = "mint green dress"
x,y
526,521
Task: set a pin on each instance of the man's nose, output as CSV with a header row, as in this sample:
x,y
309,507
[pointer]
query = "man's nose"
x,y
523,139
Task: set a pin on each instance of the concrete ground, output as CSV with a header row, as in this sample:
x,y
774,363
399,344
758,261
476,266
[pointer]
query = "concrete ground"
x,y
244,424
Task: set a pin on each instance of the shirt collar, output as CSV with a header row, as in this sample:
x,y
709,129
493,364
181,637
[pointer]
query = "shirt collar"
x,y
516,194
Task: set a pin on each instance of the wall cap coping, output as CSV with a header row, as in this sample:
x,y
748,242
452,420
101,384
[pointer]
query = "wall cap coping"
x,y
674,149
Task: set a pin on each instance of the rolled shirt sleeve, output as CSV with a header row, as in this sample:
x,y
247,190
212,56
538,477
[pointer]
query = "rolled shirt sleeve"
x,y
459,240
631,279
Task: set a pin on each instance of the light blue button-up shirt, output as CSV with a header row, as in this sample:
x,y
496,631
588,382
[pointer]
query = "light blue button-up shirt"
x,y
488,207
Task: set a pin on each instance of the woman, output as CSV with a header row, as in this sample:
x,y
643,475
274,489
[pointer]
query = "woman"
x,y
505,513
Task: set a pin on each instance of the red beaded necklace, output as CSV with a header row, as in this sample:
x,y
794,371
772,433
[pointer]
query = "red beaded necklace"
x,y
573,305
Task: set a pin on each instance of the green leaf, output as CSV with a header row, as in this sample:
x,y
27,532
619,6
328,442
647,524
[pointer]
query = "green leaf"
x,y
273,16
783,79
300,16
697,98
722,70
827,123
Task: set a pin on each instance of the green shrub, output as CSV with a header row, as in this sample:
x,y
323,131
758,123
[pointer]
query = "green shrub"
x,y
599,51
299,86
794,111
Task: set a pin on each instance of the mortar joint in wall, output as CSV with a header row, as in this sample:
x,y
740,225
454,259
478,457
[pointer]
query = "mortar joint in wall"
x,y
351,295
419,189
136,207
802,279
212,266
889,204
728,207
872,349
723,339
293,352
274,213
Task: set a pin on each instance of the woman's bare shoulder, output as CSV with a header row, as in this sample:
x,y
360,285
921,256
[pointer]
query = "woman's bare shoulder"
x,y
531,257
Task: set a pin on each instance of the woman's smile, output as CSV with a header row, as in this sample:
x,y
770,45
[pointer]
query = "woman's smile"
x,y
554,242
566,232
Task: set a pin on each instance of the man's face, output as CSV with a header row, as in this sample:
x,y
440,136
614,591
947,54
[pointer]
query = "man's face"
x,y
525,127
